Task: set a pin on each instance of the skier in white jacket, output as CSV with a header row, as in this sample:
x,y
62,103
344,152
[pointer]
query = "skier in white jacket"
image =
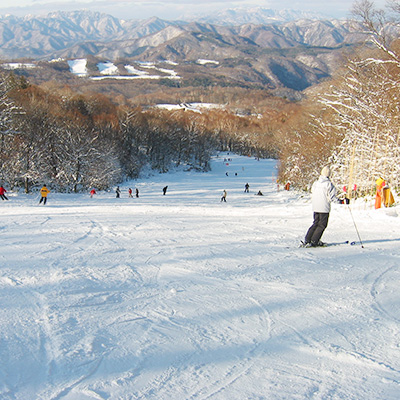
x,y
323,194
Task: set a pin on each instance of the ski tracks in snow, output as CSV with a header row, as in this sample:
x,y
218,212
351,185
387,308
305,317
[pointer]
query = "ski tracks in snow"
x,y
183,297
245,362
383,287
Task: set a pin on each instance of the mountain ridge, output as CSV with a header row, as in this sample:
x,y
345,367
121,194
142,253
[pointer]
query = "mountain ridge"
x,y
292,54
43,37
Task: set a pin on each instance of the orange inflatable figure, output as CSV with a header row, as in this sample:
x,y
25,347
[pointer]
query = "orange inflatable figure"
x,y
387,197
380,184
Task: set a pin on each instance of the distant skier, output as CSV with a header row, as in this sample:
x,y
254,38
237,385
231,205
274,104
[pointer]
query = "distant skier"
x,y
44,192
2,193
323,194
92,193
130,193
246,188
224,194
137,192
117,192
165,190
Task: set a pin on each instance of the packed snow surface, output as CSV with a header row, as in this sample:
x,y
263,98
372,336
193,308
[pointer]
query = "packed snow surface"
x,y
183,296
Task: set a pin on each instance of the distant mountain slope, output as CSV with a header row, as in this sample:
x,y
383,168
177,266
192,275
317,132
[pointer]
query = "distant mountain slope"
x,y
196,40
254,15
58,33
42,37
288,54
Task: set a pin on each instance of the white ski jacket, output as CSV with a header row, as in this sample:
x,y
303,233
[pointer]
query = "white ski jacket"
x,y
323,194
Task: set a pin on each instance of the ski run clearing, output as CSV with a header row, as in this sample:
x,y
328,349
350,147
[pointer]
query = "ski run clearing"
x,y
109,70
185,297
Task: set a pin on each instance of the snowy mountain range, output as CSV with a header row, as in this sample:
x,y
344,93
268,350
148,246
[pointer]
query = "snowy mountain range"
x,y
289,53
63,33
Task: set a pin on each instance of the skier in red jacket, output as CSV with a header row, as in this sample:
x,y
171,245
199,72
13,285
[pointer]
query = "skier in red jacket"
x,y
2,193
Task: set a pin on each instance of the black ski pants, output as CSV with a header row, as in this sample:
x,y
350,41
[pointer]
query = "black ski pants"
x,y
316,230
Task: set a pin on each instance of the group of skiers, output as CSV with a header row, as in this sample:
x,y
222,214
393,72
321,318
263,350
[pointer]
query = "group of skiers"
x,y
43,194
323,194
246,190
118,192
130,192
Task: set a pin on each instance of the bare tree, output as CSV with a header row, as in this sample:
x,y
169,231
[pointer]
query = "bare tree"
x,y
380,28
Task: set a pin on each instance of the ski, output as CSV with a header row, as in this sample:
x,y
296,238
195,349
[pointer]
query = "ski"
x,y
308,246
337,243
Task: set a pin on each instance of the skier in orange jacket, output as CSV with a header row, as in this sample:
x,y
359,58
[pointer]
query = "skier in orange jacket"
x,y
44,192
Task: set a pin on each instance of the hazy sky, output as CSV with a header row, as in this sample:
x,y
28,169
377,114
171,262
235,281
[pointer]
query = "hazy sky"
x,y
172,9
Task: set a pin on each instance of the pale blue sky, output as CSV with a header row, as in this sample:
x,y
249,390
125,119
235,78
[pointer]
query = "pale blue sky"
x,y
172,9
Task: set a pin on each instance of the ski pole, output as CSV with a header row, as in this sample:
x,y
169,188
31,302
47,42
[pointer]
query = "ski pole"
x,y
355,226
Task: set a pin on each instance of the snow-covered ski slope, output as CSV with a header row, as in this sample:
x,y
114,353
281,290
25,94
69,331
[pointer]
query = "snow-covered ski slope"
x,y
184,297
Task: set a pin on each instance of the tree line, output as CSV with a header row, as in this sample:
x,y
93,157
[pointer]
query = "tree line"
x,y
73,142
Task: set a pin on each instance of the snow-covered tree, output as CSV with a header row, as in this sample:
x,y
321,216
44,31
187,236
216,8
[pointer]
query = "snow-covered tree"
x,y
366,116
86,161
355,124
8,128
366,108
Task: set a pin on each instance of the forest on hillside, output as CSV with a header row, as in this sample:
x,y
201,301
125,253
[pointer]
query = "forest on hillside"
x,y
74,141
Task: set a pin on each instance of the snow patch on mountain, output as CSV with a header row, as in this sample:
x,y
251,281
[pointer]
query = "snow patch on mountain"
x,y
134,71
13,66
203,61
107,68
195,107
78,67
